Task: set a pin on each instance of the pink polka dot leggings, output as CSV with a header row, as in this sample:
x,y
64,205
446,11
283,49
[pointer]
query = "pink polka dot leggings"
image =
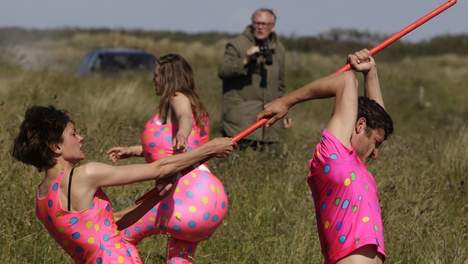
x,y
189,215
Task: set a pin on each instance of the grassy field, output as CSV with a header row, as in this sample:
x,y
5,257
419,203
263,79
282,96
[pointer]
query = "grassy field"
x,y
422,174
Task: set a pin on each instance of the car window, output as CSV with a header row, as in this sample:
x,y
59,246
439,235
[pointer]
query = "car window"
x,y
114,61
86,64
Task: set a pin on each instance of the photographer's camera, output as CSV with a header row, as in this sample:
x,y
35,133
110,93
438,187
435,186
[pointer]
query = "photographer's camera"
x,y
267,53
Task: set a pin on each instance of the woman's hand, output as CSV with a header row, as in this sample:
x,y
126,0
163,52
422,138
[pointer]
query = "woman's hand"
x,y
179,143
221,146
117,153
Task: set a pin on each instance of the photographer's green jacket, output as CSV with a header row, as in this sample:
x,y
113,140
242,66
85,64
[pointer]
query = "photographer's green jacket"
x,y
247,88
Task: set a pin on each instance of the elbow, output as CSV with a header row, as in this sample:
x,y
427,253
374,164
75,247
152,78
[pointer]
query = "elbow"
x,y
350,79
348,84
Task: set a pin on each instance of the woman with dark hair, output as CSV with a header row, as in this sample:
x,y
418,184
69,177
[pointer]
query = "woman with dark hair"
x,y
70,202
199,203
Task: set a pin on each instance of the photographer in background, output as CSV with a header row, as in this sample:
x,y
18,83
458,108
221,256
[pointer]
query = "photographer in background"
x,y
253,75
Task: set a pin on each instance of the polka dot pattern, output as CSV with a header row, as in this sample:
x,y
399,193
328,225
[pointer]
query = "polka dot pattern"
x,y
192,224
347,182
206,216
192,209
199,202
88,236
190,214
323,206
346,200
73,220
345,204
342,239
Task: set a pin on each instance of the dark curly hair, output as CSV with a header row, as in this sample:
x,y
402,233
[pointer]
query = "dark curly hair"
x,y
41,127
375,115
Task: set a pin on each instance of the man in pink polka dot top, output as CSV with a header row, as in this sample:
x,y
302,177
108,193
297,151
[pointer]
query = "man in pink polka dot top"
x,y
344,191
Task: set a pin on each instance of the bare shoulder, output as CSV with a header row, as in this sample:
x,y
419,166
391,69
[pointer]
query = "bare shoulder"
x,y
91,169
180,102
179,96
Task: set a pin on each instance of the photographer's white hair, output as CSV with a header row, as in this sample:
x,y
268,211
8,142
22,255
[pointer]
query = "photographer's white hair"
x,y
264,9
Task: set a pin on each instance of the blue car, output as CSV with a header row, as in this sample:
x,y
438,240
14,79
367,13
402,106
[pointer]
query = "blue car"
x,y
114,60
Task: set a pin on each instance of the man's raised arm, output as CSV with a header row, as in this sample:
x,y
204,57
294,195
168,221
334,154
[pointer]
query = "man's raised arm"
x,y
371,78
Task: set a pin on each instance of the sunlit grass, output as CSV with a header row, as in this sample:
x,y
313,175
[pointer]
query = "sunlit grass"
x,y
422,173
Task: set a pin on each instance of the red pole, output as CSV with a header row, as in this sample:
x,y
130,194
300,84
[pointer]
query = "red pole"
x,y
405,31
347,67
249,130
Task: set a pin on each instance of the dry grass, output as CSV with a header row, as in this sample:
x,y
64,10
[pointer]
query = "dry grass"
x,y
422,175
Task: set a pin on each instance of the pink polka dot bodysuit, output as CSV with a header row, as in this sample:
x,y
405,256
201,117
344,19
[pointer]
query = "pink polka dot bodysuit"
x,y
88,236
196,207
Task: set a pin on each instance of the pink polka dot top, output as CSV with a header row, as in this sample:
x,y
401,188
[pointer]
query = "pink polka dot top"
x,y
346,200
88,236
157,138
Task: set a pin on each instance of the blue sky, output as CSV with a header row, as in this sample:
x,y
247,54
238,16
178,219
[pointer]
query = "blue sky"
x,y
298,17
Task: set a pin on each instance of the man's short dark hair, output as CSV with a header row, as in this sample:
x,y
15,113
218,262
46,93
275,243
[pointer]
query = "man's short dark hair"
x,y
375,115
41,127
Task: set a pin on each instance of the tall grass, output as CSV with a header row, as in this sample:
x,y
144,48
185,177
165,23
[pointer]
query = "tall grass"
x,y
422,173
